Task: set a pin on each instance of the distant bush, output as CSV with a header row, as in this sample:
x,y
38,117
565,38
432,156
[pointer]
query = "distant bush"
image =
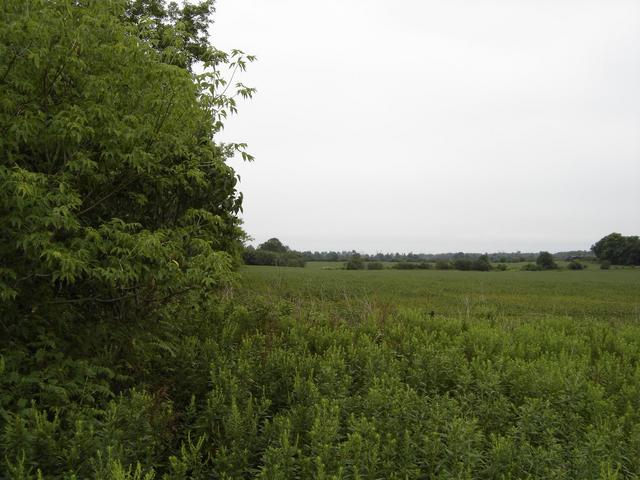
x,y
375,266
355,263
501,266
531,267
443,265
605,265
259,256
575,265
462,264
545,261
412,266
480,264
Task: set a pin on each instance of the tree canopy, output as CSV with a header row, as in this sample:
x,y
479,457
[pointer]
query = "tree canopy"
x,y
618,249
545,261
112,188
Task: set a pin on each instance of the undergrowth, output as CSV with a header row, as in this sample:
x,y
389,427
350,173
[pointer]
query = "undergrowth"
x,y
268,390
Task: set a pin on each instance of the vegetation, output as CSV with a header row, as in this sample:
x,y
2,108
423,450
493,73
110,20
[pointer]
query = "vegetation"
x,y
545,261
273,252
575,265
501,257
356,262
375,265
110,203
618,249
131,349
413,266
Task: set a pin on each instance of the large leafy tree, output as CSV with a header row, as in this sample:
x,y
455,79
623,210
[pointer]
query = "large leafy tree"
x,y
114,197
618,249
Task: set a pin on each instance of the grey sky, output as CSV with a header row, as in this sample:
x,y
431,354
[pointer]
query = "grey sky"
x,y
438,125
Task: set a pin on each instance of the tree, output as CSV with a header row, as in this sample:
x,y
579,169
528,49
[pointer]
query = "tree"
x,y
355,262
114,196
273,245
618,249
545,261
481,264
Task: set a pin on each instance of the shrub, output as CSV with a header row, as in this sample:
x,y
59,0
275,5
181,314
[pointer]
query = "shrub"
x,y
443,265
605,265
462,264
481,264
355,262
545,261
501,266
575,265
531,267
375,266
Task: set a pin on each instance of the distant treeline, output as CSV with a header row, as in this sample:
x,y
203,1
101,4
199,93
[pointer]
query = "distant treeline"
x,y
614,249
497,257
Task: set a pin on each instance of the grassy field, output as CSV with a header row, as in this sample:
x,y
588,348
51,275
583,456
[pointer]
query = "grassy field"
x,y
514,375
591,293
310,373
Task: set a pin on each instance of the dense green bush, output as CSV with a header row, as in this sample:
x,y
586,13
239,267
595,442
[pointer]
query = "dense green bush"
x,y
413,266
375,266
531,267
545,261
575,265
114,198
480,264
355,262
443,265
260,256
263,391
605,265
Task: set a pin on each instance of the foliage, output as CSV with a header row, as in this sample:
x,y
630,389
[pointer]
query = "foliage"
x,y
274,253
545,261
355,262
272,386
513,293
481,264
618,249
443,265
375,266
114,198
531,267
273,245
575,265
412,266
605,265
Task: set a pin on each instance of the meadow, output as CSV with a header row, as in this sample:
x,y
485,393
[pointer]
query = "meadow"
x,y
587,294
332,374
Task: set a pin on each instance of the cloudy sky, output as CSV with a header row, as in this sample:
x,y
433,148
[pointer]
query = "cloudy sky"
x,y
438,125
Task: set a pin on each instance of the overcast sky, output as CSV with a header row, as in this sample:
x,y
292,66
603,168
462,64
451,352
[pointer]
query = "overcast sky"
x,y
438,125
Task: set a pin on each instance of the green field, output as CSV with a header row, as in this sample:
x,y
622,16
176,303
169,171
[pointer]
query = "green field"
x,y
515,375
591,293
316,373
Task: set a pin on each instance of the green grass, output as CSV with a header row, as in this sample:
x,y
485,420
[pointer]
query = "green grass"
x,y
592,293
